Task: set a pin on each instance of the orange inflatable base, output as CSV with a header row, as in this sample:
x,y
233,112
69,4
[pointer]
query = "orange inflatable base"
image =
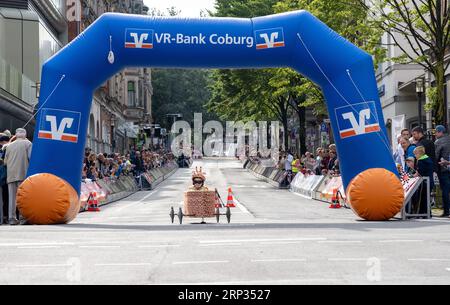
x,y
46,199
376,194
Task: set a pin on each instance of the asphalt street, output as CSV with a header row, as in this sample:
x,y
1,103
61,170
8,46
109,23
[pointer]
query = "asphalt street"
x,y
275,237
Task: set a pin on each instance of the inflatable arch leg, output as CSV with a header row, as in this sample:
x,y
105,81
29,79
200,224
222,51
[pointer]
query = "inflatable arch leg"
x,y
295,39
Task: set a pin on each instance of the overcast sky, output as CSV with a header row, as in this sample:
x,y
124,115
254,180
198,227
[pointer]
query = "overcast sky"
x,y
189,8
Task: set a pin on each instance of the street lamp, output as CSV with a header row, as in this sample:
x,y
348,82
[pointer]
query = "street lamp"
x,y
37,87
420,89
113,133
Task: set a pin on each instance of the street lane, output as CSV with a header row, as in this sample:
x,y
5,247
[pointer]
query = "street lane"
x,y
283,239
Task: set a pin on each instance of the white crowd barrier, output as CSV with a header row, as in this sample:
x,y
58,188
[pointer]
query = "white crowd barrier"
x,y
112,189
319,188
306,185
107,190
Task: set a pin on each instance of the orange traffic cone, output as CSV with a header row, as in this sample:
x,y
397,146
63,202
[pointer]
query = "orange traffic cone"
x,y
335,204
93,203
230,200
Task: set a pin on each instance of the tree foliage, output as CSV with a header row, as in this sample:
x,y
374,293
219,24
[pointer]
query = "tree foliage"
x,y
275,93
180,91
421,29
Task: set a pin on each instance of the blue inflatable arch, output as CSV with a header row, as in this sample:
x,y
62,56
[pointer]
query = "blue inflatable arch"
x,y
115,41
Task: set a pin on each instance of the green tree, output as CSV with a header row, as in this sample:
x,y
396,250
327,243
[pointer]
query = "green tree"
x,y
421,29
180,91
244,95
350,20
268,93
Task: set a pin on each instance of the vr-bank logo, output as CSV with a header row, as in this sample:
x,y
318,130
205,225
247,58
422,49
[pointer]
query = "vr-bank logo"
x,y
357,119
269,38
59,125
139,39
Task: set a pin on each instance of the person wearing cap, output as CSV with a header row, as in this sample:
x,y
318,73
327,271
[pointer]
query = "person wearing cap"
x,y
7,133
17,160
443,157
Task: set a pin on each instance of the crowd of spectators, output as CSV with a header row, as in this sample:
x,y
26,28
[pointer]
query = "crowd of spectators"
x,y
135,162
418,156
15,154
325,162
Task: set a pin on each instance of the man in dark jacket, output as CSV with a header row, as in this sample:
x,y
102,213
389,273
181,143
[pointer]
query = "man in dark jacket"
x,y
442,155
419,136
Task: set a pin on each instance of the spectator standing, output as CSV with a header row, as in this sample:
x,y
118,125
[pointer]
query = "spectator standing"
x,y
288,162
318,161
332,161
288,167
443,154
139,164
419,137
325,161
17,160
4,139
296,165
408,151
309,161
101,165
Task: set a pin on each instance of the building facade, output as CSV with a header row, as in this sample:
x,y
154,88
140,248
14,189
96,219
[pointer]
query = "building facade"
x,y
31,31
398,85
121,107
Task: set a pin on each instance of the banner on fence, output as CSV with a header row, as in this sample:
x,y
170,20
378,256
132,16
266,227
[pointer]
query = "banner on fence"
x,y
306,184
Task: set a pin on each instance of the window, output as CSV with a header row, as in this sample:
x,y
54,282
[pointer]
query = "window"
x,y
131,94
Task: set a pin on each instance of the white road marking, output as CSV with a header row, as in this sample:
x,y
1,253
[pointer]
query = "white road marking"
x,y
401,241
159,246
278,260
428,260
291,242
124,265
340,242
448,269
215,245
348,259
99,247
260,240
135,202
200,262
45,266
241,207
35,244
39,247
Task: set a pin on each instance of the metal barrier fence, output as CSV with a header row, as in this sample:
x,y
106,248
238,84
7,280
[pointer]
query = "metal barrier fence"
x,y
324,188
